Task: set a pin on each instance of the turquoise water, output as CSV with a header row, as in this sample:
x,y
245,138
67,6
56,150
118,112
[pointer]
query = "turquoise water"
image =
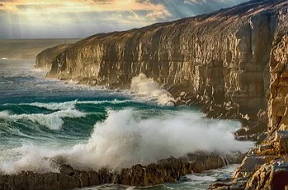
x,y
91,127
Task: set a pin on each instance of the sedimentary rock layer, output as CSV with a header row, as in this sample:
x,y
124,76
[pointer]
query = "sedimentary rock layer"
x,y
266,166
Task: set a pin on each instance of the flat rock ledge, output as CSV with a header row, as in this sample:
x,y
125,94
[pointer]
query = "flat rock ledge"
x,y
164,171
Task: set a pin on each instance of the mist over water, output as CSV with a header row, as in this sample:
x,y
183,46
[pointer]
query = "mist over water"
x,y
43,121
128,137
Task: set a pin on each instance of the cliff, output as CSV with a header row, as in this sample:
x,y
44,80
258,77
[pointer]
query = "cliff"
x,y
266,166
232,62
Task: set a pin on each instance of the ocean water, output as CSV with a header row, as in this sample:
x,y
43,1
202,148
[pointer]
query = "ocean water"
x,y
91,127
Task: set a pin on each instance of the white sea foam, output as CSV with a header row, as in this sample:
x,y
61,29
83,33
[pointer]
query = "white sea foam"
x,y
55,106
4,114
125,139
71,104
53,120
201,178
148,88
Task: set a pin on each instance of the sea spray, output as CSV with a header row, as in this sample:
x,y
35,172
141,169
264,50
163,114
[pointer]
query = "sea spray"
x,y
126,138
148,88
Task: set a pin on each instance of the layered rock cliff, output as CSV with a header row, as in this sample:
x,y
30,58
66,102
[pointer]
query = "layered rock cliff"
x,y
266,166
233,62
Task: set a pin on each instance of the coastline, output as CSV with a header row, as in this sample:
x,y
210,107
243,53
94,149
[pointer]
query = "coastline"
x,y
253,66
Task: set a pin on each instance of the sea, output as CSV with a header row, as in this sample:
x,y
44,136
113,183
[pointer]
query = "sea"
x,y
45,119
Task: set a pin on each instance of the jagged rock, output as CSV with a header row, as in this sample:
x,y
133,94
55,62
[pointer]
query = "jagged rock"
x,y
281,142
272,176
167,170
250,164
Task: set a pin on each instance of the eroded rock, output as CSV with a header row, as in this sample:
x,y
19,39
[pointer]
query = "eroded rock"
x,y
167,170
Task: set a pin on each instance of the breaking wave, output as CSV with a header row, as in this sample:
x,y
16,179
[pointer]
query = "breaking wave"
x,y
71,104
126,138
53,121
148,88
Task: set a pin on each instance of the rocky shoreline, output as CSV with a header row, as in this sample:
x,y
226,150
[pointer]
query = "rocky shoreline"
x,y
233,63
167,170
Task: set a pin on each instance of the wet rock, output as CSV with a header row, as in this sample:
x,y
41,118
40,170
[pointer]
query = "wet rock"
x,y
250,164
272,176
281,142
167,170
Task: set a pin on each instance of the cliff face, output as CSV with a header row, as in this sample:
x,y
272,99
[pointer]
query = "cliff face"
x,y
233,62
266,166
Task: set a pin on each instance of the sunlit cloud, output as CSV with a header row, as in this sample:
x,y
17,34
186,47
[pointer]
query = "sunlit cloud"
x,y
82,6
80,18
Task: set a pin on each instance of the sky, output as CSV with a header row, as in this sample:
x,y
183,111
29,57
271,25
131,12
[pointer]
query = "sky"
x,y
82,18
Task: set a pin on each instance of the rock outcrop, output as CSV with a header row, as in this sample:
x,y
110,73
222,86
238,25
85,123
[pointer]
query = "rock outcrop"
x,y
168,170
233,62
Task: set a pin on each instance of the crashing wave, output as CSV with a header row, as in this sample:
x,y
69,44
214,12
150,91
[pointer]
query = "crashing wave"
x,y
148,88
53,121
125,138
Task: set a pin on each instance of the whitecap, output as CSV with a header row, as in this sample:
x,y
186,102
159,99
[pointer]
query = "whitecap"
x,y
125,139
53,121
201,178
55,105
71,104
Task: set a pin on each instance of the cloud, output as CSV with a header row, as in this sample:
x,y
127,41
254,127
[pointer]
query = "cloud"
x,y
80,18
81,6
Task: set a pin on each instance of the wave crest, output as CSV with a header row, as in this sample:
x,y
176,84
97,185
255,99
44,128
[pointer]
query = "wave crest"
x,y
53,121
148,88
125,138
